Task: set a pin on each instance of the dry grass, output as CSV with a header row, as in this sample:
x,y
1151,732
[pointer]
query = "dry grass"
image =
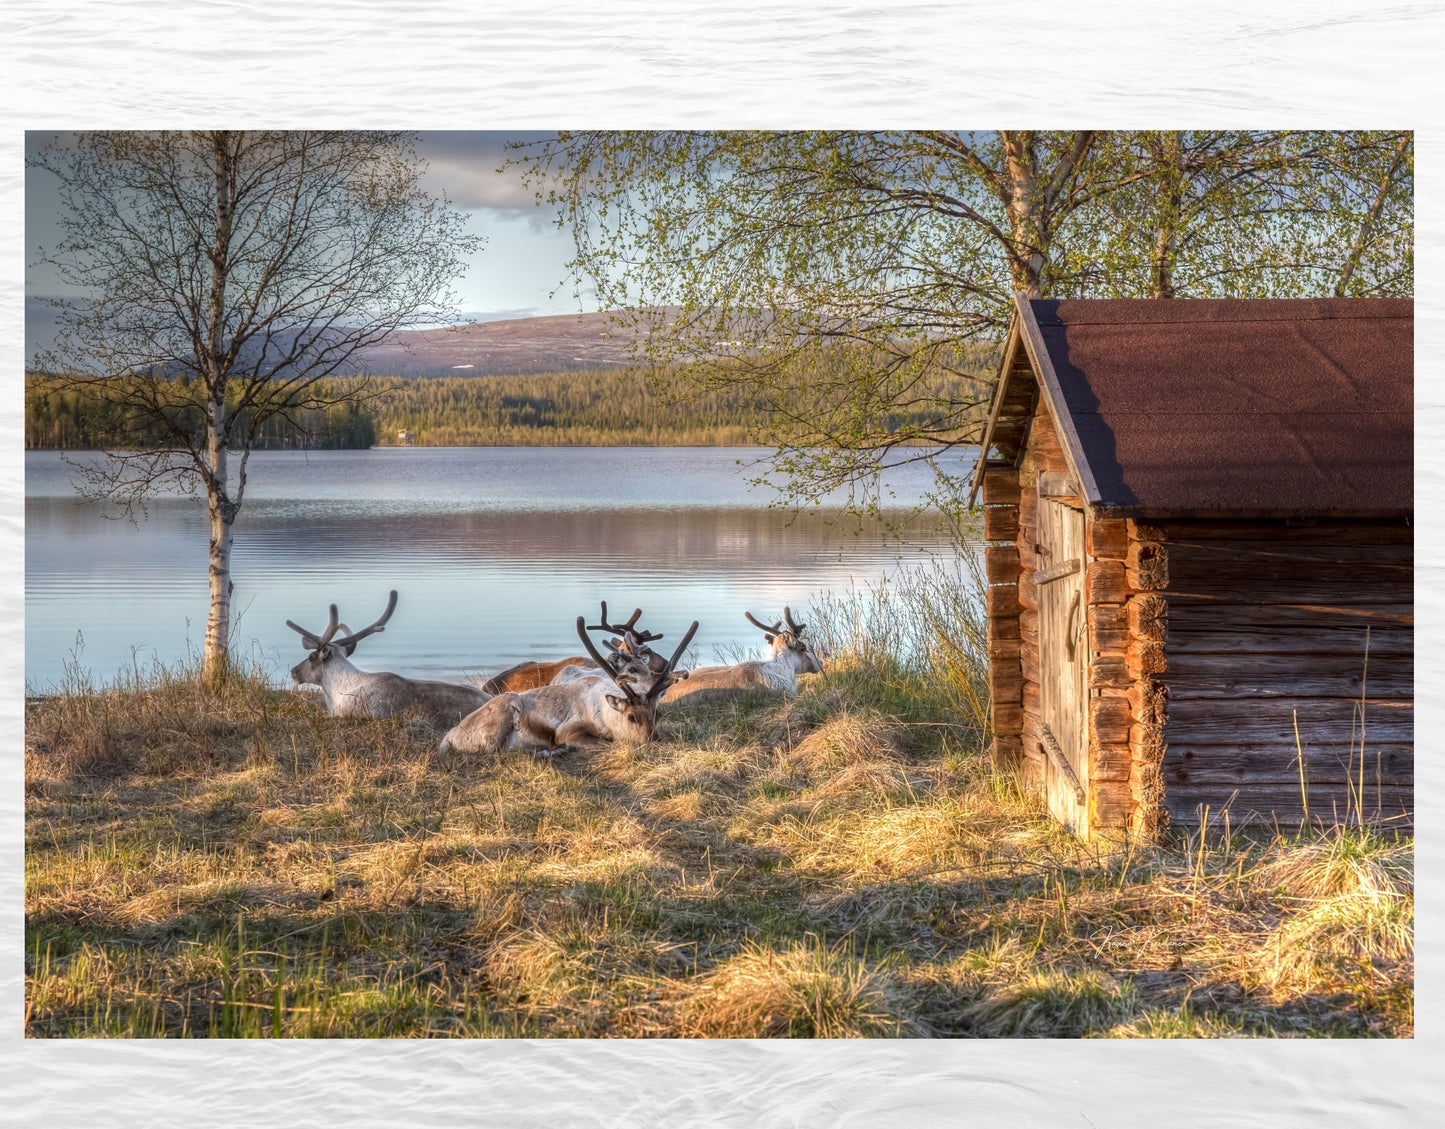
x,y
841,864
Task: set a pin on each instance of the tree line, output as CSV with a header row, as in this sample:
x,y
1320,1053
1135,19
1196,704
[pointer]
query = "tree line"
x,y
72,418
594,408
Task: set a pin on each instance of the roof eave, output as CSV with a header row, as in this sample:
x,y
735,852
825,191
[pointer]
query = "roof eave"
x,y
1053,394
1011,342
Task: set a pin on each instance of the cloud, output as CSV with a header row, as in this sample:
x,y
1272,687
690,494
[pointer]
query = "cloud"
x,y
465,163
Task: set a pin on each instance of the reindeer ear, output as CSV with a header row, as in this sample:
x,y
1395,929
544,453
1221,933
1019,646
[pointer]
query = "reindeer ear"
x,y
769,638
619,704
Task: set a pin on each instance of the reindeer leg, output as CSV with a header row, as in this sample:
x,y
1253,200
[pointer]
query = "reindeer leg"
x,y
576,735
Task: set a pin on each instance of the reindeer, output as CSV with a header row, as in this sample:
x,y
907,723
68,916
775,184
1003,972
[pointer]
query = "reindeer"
x,y
578,710
791,656
354,693
530,675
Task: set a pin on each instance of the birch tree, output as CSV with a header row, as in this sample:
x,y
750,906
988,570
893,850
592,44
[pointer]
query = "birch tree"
x,y
847,277
227,274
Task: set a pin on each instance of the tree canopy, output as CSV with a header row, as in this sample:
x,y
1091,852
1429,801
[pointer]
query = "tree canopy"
x,y
840,275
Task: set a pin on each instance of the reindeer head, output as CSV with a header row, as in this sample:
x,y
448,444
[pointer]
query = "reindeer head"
x,y
635,715
326,648
805,659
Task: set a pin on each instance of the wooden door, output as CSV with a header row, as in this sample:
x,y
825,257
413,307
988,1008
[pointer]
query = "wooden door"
x,y
1064,663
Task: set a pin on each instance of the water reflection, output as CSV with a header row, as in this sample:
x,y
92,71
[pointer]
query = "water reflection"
x,y
480,588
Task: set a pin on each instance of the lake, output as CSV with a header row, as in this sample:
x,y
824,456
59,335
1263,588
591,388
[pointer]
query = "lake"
x,y
495,551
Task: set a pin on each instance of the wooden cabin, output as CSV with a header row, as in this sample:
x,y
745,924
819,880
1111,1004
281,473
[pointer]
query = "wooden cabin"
x,y
1199,517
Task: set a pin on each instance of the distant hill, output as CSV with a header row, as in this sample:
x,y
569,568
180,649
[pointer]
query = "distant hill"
x,y
561,343
520,346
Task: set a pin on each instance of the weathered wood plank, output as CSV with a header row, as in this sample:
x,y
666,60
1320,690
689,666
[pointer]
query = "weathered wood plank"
x,y
1111,807
1002,601
1005,681
1029,627
1001,564
1109,720
1392,765
1146,565
1323,722
1252,674
1007,753
1146,743
1264,804
1054,484
1145,658
1225,632
1028,519
1148,616
1003,627
1008,719
1001,488
1107,538
1105,582
1001,523
1109,762
1278,533
1110,671
1149,701
1301,591
1108,628
1194,559
1029,663
1028,591
1001,649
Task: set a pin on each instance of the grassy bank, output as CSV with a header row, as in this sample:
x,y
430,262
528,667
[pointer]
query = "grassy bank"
x,y
843,863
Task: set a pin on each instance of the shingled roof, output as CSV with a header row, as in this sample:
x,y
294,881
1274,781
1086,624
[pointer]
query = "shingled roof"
x,y
1203,408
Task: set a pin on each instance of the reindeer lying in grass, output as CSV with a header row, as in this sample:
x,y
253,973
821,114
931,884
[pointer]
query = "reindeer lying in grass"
x,y
530,675
576,710
354,693
791,656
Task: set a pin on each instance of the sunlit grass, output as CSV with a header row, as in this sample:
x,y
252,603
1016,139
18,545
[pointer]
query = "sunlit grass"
x,y
841,863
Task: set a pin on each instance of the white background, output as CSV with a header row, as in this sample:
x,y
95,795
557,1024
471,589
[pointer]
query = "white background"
x,y
511,65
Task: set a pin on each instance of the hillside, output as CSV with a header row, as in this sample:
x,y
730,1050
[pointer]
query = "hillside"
x,y
561,343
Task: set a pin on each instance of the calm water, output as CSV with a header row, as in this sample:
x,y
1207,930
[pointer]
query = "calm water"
x,y
494,551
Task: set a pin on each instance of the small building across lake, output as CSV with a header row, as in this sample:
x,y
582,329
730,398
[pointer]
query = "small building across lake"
x,y
1201,560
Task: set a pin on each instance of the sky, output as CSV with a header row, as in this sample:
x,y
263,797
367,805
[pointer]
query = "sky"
x,y
520,270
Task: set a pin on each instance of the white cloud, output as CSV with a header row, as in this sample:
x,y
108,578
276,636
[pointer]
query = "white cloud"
x,y
469,166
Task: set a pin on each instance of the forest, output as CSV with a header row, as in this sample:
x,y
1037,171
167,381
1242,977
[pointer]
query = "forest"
x,y
595,408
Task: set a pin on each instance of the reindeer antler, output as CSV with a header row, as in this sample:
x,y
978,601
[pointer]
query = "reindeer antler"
x,y
795,628
624,628
603,663
668,676
349,642
311,639
773,630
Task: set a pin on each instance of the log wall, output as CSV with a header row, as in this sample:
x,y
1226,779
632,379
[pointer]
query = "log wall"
x,y
1286,640
1223,656
1001,530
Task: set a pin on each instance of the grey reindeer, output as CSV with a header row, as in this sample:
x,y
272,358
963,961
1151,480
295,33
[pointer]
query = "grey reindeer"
x,y
350,692
791,656
579,709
